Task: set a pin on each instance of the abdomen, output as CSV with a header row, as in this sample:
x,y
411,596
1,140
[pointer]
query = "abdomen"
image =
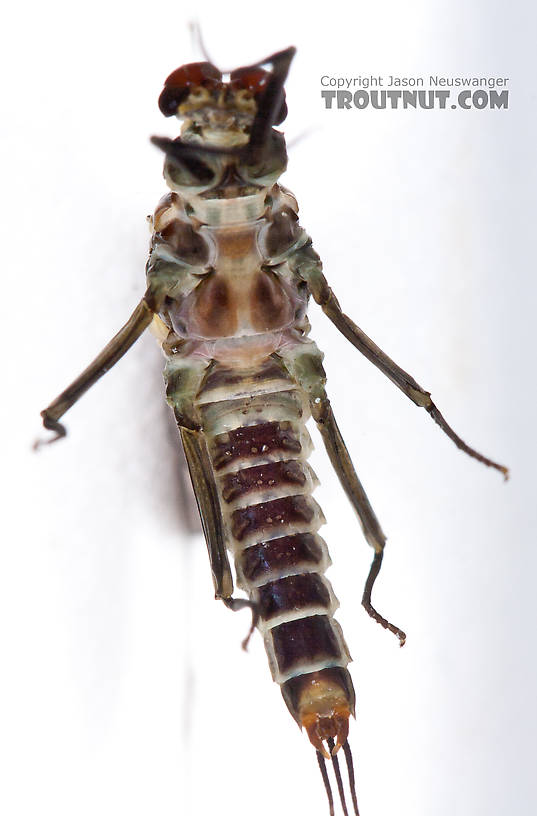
x,y
254,421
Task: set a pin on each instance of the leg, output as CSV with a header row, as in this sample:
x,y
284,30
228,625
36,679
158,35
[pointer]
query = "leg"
x,y
304,362
203,482
308,266
342,464
183,377
205,490
269,105
116,348
236,604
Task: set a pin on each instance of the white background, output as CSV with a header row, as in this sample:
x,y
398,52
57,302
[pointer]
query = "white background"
x,y
123,688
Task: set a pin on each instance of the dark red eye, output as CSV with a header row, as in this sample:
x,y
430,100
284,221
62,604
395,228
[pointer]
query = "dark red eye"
x,y
251,79
195,73
179,83
256,81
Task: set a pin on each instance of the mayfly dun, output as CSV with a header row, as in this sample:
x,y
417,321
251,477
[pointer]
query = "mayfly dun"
x,y
229,277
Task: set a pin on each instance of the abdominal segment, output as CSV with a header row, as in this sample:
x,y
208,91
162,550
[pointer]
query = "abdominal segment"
x,y
237,316
259,445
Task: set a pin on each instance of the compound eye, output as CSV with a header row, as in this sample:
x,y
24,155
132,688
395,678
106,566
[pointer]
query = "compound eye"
x,y
255,80
179,83
194,73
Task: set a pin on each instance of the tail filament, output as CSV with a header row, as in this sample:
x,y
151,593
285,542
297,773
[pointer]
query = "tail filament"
x,y
339,781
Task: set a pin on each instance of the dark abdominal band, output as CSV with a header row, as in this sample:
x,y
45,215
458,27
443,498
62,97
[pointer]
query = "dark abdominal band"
x,y
259,447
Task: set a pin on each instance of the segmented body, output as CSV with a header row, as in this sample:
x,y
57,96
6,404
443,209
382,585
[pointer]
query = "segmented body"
x,y
233,334
229,277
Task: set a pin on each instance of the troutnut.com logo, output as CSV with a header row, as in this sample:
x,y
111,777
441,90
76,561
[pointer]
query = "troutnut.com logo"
x,y
427,92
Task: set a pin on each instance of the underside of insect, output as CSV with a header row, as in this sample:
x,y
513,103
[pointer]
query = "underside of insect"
x,y
229,277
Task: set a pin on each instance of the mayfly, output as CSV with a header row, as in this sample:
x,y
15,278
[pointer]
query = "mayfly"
x,y
229,277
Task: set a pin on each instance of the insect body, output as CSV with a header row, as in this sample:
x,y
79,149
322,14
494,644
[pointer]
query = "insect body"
x,y
229,276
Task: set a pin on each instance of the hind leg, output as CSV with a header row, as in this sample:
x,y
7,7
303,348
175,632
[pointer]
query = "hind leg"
x,y
304,362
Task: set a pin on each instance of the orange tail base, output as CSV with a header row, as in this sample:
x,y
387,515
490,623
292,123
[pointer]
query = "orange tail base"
x,y
322,702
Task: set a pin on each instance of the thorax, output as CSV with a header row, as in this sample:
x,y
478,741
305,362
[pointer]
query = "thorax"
x,y
231,253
